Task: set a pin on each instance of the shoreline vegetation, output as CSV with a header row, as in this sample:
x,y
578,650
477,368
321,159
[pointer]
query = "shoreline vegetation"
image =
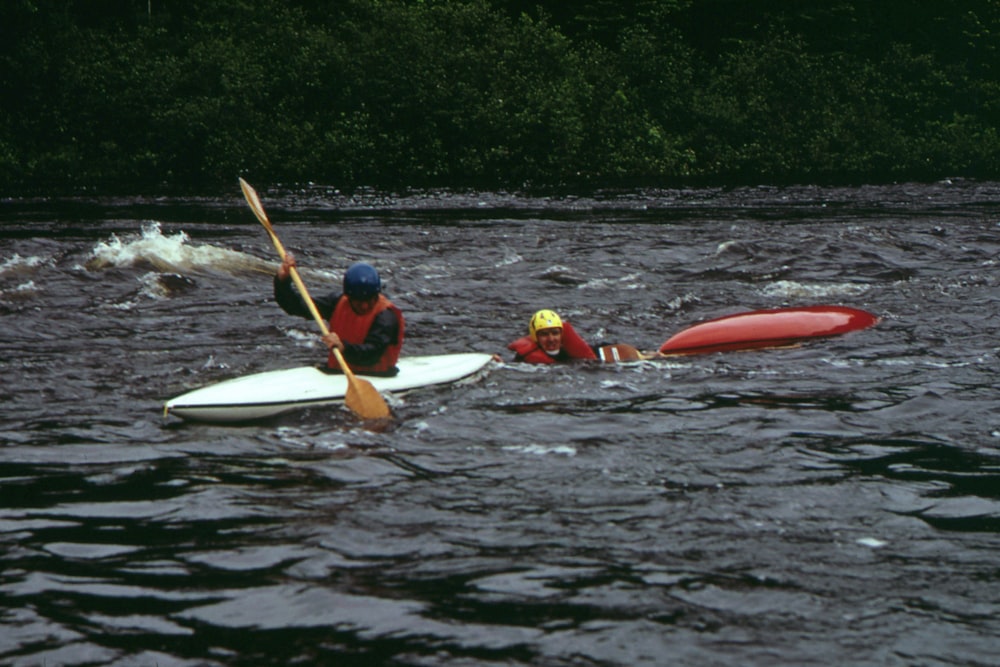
x,y
146,96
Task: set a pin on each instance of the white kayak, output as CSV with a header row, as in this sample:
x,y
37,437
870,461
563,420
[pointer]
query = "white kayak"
x,y
271,393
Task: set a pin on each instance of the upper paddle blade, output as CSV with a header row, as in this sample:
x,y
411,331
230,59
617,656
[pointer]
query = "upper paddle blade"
x,y
254,201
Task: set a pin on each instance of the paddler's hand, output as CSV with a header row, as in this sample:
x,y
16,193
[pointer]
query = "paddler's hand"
x,y
332,340
286,264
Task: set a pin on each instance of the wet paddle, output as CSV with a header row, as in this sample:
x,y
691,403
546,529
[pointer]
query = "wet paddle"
x,y
622,352
362,398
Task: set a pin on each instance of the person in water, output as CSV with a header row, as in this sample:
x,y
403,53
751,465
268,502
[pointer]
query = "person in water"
x,y
364,325
550,340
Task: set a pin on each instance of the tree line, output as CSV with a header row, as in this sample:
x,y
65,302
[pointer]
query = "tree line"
x,y
153,95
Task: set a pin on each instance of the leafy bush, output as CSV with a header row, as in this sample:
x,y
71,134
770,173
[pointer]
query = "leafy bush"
x,y
132,95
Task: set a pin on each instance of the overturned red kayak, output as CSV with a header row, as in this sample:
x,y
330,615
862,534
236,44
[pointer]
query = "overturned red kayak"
x,y
767,328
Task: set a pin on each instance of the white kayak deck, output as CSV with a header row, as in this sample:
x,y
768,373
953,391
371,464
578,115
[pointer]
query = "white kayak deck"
x,y
271,393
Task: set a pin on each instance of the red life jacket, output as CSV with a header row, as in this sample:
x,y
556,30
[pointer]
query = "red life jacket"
x,y
572,344
353,328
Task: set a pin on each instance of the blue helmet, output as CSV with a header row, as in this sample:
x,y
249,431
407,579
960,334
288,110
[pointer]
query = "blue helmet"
x,y
361,281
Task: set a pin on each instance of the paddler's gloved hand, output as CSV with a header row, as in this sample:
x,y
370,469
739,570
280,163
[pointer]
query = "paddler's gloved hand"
x,y
286,264
332,340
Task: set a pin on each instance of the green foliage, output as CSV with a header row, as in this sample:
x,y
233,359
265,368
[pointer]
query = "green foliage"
x,y
138,95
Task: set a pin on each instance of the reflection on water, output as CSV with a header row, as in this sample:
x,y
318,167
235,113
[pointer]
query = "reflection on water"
x,y
832,503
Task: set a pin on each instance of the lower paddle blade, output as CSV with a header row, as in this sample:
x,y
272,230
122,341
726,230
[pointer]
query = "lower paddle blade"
x,y
363,399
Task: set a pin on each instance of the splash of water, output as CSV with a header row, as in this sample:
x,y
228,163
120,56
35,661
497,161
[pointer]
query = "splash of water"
x,y
791,288
16,264
170,253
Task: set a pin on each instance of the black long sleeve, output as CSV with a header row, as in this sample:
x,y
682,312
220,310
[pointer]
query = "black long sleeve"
x,y
292,302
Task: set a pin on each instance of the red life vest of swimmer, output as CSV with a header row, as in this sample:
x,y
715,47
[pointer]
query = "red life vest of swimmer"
x,y
353,329
572,344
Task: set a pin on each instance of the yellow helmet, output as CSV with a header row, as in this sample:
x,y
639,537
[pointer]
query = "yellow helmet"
x,y
543,319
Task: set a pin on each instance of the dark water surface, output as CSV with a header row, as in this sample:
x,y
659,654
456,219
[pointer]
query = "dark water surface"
x,y
832,504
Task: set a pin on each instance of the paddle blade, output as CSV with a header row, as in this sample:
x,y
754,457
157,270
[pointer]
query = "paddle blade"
x,y
620,352
254,201
363,399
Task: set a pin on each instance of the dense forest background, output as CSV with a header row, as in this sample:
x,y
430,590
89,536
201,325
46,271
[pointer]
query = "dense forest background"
x,y
153,95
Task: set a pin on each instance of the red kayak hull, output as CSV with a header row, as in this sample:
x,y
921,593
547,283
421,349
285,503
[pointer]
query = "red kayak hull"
x,y
767,328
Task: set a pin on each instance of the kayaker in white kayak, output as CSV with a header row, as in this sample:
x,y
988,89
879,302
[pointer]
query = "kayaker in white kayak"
x,y
364,325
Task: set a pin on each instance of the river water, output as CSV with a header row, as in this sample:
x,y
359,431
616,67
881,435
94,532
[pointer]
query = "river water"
x,y
831,504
